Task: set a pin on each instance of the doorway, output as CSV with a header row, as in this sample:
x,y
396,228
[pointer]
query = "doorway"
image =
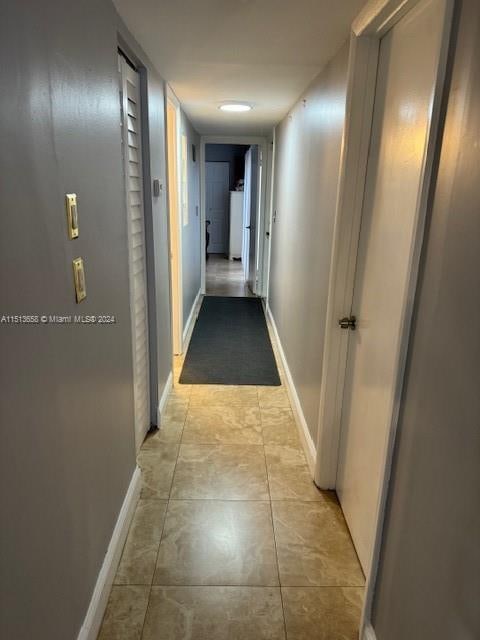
x,y
132,159
396,78
407,70
226,195
225,270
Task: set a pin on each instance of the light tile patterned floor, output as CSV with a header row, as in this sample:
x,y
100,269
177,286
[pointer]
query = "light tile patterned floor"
x,y
231,540
225,277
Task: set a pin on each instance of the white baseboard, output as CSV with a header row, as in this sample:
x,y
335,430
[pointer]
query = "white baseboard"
x,y
190,321
305,437
368,633
164,398
98,603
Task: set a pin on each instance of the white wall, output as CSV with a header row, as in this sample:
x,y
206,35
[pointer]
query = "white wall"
x,y
307,157
191,265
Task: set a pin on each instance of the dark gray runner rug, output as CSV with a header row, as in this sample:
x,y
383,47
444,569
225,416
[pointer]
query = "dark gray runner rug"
x,y
230,345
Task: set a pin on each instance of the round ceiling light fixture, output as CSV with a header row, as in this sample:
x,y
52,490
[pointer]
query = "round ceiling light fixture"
x,y
235,107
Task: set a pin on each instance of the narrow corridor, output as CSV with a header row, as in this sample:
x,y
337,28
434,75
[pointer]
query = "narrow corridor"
x,y
231,539
158,156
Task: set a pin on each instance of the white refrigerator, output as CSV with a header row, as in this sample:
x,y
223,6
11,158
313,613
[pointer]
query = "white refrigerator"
x,y
236,225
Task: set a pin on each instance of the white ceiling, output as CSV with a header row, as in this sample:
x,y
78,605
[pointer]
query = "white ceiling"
x,y
264,52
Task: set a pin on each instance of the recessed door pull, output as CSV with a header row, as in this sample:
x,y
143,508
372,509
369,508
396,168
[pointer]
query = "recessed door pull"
x,y
348,323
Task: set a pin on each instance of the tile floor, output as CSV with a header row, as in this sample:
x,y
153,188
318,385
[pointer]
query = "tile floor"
x,y
231,540
225,277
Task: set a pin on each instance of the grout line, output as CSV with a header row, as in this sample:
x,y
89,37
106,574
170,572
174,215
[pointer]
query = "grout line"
x,y
164,520
271,515
273,525
221,444
264,500
147,608
275,544
243,585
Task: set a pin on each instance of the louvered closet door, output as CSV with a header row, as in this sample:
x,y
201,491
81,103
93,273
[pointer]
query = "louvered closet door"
x,y
132,154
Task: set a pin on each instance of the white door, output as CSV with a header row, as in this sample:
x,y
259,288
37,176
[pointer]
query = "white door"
x,y
249,250
408,63
252,245
236,225
132,155
217,192
246,213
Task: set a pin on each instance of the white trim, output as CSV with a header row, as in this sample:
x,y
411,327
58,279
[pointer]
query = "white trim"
x,y
164,398
368,633
356,137
247,140
191,320
305,437
374,20
175,235
262,201
270,195
203,205
98,603
258,284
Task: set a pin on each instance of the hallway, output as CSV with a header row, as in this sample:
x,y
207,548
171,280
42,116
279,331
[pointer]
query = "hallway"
x,y
295,486
225,277
231,540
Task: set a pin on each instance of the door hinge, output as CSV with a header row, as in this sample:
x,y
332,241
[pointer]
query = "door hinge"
x,y
348,322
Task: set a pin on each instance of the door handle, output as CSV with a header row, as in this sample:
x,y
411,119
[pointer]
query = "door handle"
x,y
348,323
249,227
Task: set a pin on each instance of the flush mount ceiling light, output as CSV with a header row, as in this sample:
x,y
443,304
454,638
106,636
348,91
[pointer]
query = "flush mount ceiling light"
x,y
235,107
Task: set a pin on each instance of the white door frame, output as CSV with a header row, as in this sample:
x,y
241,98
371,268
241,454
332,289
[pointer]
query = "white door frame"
x,y
268,226
263,247
175,226
376,18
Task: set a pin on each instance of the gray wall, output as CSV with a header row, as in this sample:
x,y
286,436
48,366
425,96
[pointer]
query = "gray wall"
x,y
429,581
307,156
67,443
191,267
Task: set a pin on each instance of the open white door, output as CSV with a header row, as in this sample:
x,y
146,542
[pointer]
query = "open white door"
x,y
407,72
132,157
246,213
254,200
250,218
